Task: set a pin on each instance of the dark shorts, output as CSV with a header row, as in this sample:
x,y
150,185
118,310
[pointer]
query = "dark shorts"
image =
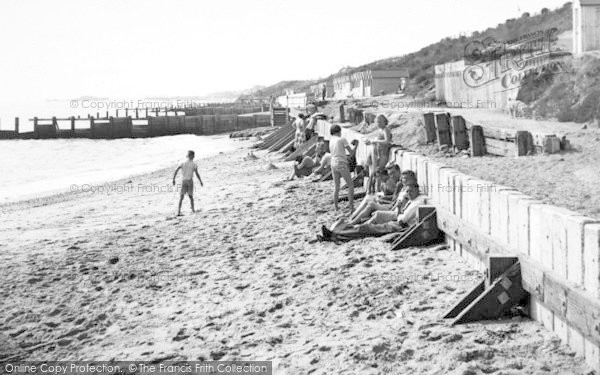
x,y
187,186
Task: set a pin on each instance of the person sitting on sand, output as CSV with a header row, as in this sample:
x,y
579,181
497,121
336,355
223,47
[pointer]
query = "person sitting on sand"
x,y
188,169
321,147
304,166
372,203
338,146
383,222
324,165
391,185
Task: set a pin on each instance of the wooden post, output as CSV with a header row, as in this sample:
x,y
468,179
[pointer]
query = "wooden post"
x,y
126,112
137,115
129,127
98,115
459,133
110,134
73,124
35,127
156,111
429,122
106,114
117,114
524,141
442,122
503,292
342,114
477,141
146,112
16,125
55,123
92,127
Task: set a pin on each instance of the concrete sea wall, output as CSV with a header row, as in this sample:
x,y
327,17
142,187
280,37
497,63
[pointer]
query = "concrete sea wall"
x,y
559,249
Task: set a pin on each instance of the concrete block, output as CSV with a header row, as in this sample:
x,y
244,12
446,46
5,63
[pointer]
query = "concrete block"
x,y
422,174
445,191
540,240
557,237
592,355
462,181
477,198
560,329
518,221
470,200
551,144
541,313
414,162
485,189
454,196
591,259
458,193
524,224
499,212
398,157
576,341
433,178
406,161
451,244
575,225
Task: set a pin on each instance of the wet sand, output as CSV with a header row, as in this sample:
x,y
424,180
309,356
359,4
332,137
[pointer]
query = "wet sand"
x,y
103,276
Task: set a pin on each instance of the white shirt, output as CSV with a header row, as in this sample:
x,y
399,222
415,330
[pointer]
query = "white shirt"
x,y
187,168
409,210
337,146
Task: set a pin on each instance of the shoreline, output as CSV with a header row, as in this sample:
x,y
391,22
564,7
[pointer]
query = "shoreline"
x,y
103,277
61,195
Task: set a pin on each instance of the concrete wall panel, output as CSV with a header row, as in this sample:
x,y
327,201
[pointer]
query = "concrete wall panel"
x,y
591,259
499,212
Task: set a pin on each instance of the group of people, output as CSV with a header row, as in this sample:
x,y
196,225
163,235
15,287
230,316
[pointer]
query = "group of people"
x,y
390,205
381,213
392,199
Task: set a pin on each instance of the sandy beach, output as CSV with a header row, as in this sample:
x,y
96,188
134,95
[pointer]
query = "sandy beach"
x,y
114,275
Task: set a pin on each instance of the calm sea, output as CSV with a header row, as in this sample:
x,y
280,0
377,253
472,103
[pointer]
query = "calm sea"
x,y
36,168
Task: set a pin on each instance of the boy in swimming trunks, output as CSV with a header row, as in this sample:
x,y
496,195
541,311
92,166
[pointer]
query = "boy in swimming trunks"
x,y
188,169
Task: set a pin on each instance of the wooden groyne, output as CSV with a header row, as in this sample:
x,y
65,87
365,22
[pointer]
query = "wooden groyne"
x,y
142,123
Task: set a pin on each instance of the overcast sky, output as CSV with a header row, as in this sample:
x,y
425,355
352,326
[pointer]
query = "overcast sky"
x,y
65,49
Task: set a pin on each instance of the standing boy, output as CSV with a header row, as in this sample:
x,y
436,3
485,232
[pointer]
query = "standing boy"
x,y
188,168
339,165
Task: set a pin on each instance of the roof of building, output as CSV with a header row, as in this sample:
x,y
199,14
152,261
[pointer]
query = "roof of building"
x,y
589,2
390,73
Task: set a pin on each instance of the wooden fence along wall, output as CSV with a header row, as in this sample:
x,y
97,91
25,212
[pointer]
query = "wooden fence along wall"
x,y
559,250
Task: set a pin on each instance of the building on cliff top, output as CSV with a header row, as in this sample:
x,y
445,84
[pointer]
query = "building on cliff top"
x,y
586,26
368,83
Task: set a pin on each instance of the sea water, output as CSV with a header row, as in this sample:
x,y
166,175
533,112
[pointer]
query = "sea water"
x,y
37,168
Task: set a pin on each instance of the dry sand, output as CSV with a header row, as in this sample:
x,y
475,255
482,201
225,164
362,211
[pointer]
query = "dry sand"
x,y
568,179
117,276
